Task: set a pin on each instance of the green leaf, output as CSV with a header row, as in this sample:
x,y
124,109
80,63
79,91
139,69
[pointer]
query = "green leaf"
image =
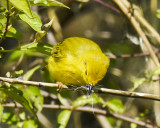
x,y
133,125
63,118
30,124
83,100
46,27
12,32
34,22
22,115
1,55
35,95
63,100
29,73
3,12
19,72
158,13
15,55
22,5
156,71
115,105
137,83
47,3
83,1
1,111
43,48
9,118
40,35
38,47
19,97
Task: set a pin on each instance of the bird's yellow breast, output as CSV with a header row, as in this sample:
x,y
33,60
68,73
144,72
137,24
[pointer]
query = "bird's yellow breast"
x,y
77,61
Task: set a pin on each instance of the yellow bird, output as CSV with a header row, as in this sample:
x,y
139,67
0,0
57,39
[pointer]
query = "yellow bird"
x,y
77,61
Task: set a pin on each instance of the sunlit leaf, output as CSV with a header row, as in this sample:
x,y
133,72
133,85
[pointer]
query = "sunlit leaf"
x,y
83,1
22,115
156,71
46,27
3,18
30,124
30,72
36,97
47,3
40,35
12,32
137,83
83,100
22,5
34,22
115,105
1,111
18,73
1,55
158,13
9,118
63,118
133,125
63,100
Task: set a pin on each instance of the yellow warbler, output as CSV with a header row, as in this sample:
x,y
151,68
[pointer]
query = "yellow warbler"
x,y
77,61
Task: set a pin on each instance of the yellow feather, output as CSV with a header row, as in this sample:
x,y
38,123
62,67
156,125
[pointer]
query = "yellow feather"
x,y
77,61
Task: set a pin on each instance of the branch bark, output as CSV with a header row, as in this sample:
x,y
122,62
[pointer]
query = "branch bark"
x,y
100,90
90,110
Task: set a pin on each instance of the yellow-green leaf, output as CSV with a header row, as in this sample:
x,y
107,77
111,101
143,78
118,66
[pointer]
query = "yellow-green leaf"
x,y
19,97
35,95
34,22
47,3
115,105
83,100
63,100
156,71
63,118
12,32
22,5
29,73
137,83
30,124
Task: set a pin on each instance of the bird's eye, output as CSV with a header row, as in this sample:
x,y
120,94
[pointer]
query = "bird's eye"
x,y
57,48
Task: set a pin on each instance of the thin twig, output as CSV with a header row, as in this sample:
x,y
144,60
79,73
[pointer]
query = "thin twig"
x,y
108,6
128,55
102,90
128,94
144,22
90,110
34,83
139,30
141,123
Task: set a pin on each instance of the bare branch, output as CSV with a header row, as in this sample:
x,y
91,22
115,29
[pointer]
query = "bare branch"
x,y
90,110
34,83
128,55
138,29
128,94
108,6
100,90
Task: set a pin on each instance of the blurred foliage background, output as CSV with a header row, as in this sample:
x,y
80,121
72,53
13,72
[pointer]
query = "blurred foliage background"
x,y
108,27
